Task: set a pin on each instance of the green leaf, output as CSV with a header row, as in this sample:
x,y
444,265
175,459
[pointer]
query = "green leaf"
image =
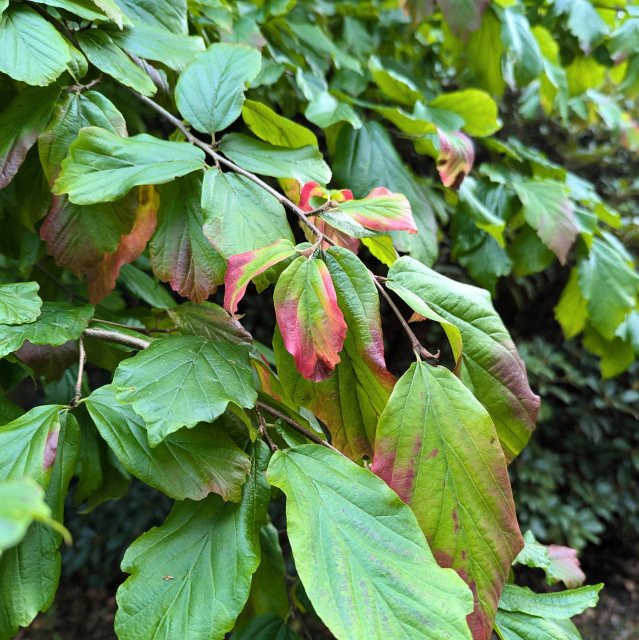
x,y
243,267
30,572
191,576
491,367
19,302
152,43
102,166
521,626
548,210
382,248
305,164
462,15
106,55
324,111
559,563
268,626
360,553
210,91
167,14
209,321
113,11
165,383
180,252
615,355
21,503
352,399
476,107
392,84
57,323
31,49
239,216
188,464
520,45
143,286
86,9
609,284
436,446
380,210
365,159
21,122
571,311
583,21
560,605
72,113
274,128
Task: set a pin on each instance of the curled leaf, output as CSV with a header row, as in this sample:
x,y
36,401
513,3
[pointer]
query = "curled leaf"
x,y
243,267
312,324
456,158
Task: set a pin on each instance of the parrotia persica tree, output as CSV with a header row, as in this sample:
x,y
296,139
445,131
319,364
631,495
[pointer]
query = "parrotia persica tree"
x,y
151,152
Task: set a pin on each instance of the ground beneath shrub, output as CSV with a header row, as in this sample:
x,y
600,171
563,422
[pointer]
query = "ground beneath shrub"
x,y
81,613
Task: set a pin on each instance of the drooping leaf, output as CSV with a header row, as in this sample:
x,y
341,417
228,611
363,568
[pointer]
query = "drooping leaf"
x,y
209,321
491,367
548,210
31,49
154,43
106,55
360,554
366,158
21,503
352,399
210,91
57,323
521,46
324,110
463,15
19,302
83,8
274,128
560,605
180,252
191,576
73,112
188,464
304,164
609,284
111,9
30,572
397,87
243,267
239,216
477,108
455,159
180,381
583,21
311,322
437,447
571,310
21,121
103,167
142,285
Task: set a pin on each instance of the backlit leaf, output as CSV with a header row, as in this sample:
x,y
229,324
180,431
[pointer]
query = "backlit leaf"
x,y
438,448
274,128
210,91
180,252
455,159
571,310
188,464
243,267
477,108
103,167
191,576
311,322
31,49
360,554
491,367
19,302
181,381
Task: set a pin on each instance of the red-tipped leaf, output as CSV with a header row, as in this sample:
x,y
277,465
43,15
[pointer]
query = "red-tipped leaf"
x,y
456,158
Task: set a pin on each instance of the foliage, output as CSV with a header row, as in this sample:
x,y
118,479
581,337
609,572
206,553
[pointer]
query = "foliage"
x,y
578,478
361,122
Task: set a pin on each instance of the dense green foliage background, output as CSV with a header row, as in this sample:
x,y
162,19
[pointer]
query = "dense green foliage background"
x,y
151,152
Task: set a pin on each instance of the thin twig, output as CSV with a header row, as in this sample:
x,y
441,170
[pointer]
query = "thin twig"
x,y
82,358
122,326
220,159
418,349
296,425
264,430
116,336
79,88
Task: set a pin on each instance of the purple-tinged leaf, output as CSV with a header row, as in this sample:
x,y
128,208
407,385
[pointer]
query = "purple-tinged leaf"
x,y
456,158
463,16
437,447
311,322
243,267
